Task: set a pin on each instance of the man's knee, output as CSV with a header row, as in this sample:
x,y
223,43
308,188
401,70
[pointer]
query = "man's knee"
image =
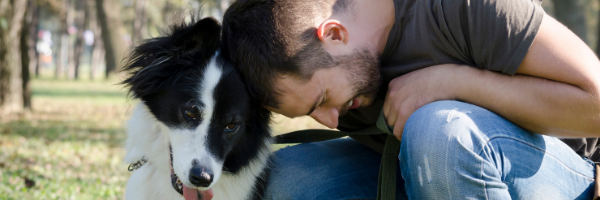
x,y
446,126
440,119
434,140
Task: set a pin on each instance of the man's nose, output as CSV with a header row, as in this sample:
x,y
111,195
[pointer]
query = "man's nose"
x,y
327,117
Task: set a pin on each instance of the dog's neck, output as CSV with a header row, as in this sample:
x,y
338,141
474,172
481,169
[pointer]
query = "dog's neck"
x,y
146,139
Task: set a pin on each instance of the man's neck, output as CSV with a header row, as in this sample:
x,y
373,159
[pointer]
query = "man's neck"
x,y
373,21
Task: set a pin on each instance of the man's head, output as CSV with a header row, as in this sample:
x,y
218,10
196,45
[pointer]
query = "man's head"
x,y
297,56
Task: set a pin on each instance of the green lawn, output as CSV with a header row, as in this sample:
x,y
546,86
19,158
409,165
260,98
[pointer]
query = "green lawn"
x,y
71,145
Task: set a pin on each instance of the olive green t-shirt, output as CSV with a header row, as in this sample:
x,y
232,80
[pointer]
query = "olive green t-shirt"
x,y
489,34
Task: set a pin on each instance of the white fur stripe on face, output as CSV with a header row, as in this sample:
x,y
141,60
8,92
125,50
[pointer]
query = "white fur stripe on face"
x,y
211,78
189,145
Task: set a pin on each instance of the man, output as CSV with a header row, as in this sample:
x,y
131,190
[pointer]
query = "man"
x,y
476,91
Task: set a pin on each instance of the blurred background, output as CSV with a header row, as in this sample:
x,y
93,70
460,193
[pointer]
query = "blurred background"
x,y
62,113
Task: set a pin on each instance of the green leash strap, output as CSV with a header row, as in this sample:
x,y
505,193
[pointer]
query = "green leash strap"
x,y
386,188
386,184
317,135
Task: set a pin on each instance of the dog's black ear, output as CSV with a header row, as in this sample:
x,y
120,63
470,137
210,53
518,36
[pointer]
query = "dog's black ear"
x,y
162,60
198,37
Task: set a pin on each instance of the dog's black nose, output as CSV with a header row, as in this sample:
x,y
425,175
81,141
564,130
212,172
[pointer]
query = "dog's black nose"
x,y
201,177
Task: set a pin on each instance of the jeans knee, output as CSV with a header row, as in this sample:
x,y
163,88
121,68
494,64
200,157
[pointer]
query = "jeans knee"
x,y
431,118
438,124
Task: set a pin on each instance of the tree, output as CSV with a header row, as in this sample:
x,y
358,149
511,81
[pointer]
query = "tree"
x,y
28,52
110,27
12,13
139,23
97,48
63,43
81,21
34,38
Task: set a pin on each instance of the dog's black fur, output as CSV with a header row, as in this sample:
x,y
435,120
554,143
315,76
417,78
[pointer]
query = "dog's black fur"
x,y
167,73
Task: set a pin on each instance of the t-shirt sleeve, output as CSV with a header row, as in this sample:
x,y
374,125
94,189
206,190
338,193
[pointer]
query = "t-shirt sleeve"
x,y
497,33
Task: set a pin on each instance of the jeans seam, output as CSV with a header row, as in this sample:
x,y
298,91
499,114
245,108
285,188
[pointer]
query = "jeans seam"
x,y
539,149
447,175
484,182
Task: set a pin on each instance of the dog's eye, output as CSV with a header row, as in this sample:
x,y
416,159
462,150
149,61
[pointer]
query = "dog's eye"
x,y
192,113
230,126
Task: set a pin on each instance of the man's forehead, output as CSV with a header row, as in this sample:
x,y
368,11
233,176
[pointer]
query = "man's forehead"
x,y
287,82
283,111
296,97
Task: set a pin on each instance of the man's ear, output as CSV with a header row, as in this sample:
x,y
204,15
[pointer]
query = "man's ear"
x,y
332,32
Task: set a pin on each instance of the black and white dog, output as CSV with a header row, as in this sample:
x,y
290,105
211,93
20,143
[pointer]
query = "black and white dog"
x,y
196,132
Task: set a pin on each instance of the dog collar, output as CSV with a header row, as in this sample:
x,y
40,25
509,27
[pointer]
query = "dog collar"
x,y
138,164
177,185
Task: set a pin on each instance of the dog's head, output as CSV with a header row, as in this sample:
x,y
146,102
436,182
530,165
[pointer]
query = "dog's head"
x,y
200,103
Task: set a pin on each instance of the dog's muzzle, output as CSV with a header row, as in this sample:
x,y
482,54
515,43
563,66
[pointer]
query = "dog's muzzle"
x,y
203,179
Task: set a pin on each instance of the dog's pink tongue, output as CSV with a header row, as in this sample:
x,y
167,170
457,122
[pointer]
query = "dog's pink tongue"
x,y
206,195
192,194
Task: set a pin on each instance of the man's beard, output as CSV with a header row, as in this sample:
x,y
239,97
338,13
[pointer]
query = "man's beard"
x,y
363,73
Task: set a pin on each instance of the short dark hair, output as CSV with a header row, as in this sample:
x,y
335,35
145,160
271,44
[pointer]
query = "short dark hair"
x,y
265,39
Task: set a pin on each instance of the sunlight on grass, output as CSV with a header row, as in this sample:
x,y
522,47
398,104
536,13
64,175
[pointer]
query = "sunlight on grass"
x,y
71,145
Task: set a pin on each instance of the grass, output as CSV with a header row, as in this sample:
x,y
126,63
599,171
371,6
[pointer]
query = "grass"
x,y
70,146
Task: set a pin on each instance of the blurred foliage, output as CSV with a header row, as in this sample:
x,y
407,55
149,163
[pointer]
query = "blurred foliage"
x,y
158,14
60,16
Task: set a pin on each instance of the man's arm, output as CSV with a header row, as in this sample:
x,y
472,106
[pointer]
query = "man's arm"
x,y
555,91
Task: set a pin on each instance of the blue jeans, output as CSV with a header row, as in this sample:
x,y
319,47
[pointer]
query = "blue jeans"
x,y
450,150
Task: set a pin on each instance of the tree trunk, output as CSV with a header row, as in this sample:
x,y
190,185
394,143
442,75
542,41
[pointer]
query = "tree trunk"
x,y
70,58
109,30
81,21
97,57
96,48
58,64
35,38
63,42
12,13
572,14
139,24
27,45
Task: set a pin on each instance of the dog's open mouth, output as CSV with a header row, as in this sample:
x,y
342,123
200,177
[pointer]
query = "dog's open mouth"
x,y
188,193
